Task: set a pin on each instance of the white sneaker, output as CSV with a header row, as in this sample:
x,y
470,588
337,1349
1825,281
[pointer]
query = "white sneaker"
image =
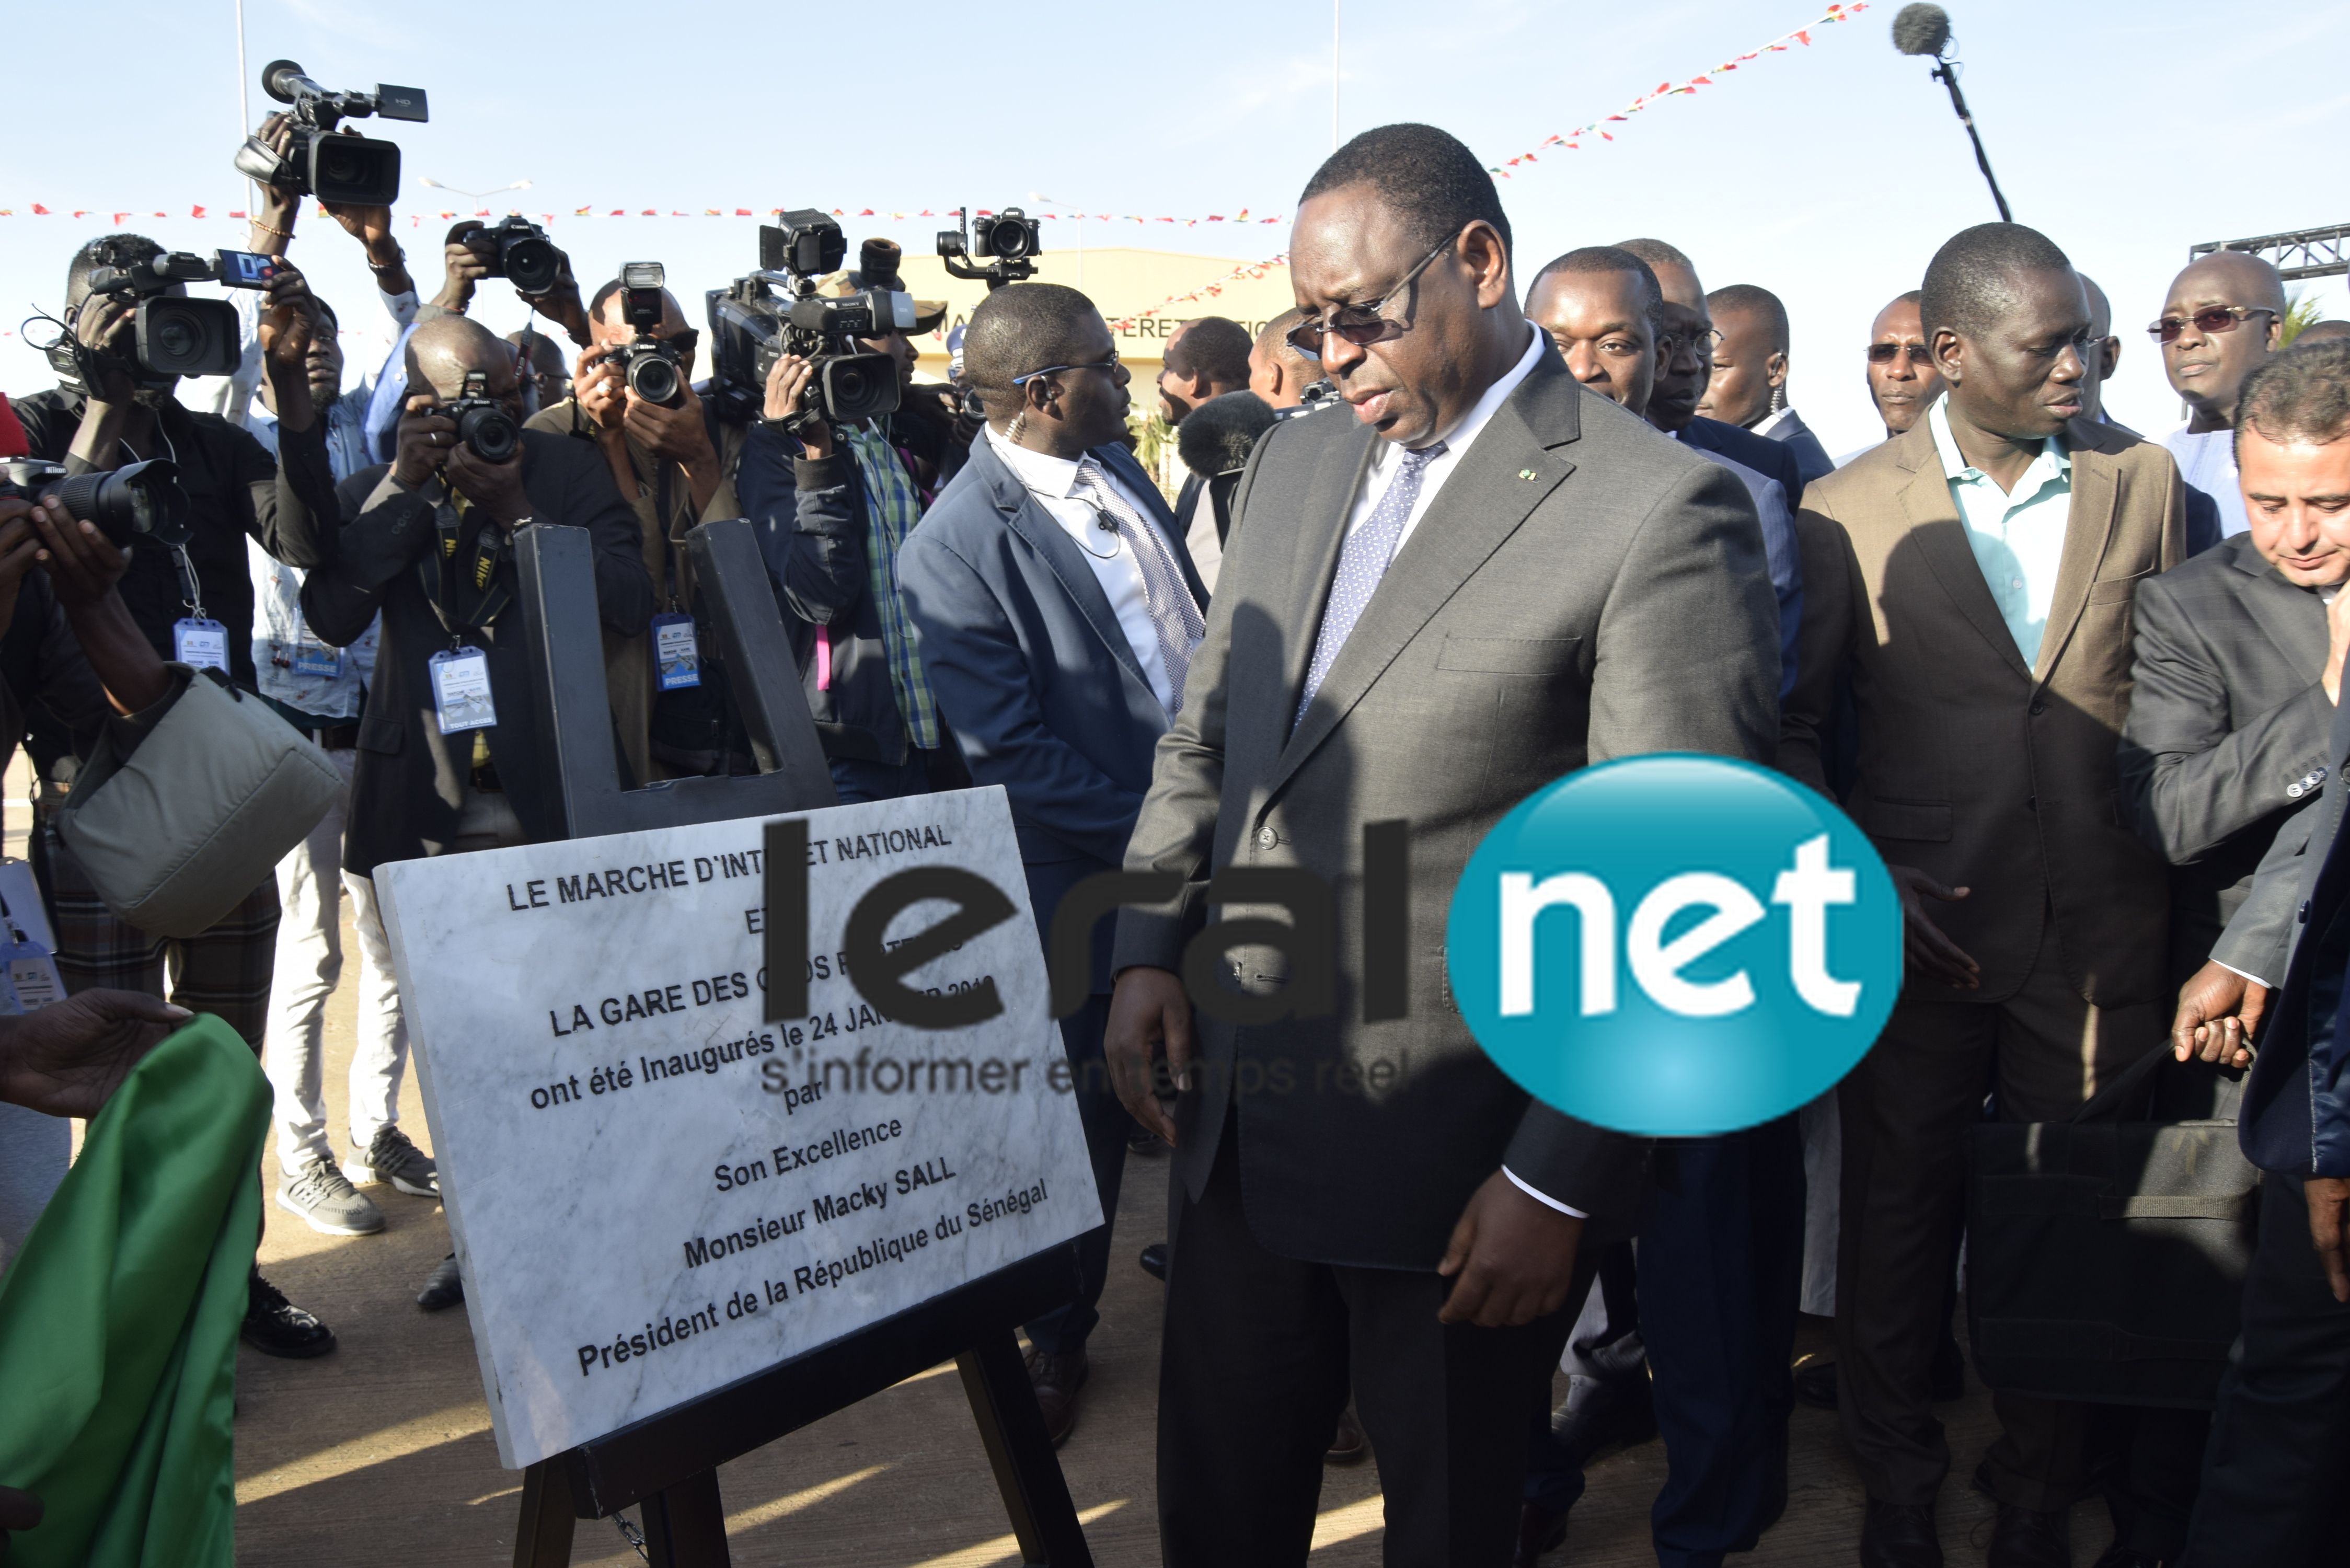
x,y
392,1158
327,1202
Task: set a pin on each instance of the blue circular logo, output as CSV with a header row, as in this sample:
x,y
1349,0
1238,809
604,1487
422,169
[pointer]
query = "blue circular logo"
x,y
1675,945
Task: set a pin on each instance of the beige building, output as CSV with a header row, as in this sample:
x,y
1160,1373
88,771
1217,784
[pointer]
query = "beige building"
x,y
1124,283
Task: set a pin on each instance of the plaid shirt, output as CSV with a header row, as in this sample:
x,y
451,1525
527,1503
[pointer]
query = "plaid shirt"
x,y
891,510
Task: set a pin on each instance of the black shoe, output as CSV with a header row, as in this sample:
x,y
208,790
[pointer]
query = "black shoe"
x,y
276,1326
2029,1538
445,1288
1949,1373
1057,1379
1154,1261
1899,1535
1144,1142
1347,1443
1541,1531
1816,1383
2119,1555
1601,1415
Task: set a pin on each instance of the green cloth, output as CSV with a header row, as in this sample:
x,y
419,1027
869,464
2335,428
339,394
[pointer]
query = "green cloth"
x,y
118,1320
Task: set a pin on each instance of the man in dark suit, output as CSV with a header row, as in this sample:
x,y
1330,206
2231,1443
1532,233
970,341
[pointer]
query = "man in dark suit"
x,y
1481,581
1749,384
417,791
2271,1492
1057,612
2223,759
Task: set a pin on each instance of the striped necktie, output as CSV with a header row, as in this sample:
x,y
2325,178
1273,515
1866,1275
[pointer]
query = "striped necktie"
x,y
1362,562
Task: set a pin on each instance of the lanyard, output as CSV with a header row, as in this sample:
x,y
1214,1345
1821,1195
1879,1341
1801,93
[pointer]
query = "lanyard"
x,y
461,576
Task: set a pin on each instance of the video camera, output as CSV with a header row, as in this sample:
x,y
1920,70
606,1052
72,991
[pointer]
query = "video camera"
x,y
516,249
173,335
751,327
321,163
140,501
649,367
1010,239
1007,238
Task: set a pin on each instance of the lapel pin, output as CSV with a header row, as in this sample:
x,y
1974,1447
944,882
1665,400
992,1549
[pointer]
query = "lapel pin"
x,y
1526,473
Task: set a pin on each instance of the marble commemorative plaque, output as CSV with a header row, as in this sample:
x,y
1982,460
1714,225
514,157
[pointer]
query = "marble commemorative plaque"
x,y
654,1192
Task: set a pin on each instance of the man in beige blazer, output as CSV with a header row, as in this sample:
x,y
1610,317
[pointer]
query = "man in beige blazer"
x,y
1991,552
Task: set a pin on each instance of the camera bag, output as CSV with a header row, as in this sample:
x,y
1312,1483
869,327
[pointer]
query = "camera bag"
x,y
2106,1254
179,829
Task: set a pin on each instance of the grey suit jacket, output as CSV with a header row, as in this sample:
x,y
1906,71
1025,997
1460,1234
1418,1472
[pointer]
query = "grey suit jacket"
x,y
1581,588
2224,748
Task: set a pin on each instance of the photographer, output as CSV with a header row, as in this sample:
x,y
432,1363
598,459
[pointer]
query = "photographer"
x,y
272,234
674,463
200,593
470,255
832,508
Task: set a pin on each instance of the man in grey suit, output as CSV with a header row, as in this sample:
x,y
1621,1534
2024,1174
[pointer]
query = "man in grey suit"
x,y
1481,581
2223,762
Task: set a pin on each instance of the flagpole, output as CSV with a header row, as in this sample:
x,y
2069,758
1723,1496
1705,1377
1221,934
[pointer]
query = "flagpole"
x,y
243,114
1335,6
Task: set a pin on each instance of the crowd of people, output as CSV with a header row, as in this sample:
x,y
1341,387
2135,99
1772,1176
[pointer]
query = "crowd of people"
x,y
1461,523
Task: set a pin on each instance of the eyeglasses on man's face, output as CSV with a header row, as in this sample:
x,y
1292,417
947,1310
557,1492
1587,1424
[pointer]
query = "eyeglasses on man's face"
x,y
1885,353
2214,319
1107,367
1362,323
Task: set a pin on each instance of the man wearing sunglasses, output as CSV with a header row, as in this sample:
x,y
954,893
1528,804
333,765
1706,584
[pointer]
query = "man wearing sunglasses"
x,y
674,465
1484,579
1902,380
2221,323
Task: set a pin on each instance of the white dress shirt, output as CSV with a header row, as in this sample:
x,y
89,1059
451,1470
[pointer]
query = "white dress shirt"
x,y
2208,462
1053,483
1386,459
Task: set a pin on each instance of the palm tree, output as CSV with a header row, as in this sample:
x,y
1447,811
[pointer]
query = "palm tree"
x,y
2302,311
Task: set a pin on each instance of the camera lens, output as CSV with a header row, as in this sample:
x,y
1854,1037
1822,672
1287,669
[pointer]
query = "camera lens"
x,y
142,501
489,433
1011,241
337,165
654,378
529,263
176,338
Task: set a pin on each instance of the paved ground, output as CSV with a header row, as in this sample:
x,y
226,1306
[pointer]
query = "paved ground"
x,y
381,1453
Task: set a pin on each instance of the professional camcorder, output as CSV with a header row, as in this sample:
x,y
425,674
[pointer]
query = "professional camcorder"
x,y
482,422
517,250
320,162
1009,239
140,502
647,366
752,326
173,335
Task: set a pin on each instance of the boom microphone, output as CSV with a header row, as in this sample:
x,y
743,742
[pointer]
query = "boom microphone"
x,y
1926,30
1921,30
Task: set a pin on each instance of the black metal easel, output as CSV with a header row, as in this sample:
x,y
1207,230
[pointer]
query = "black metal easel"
x,y
669,1463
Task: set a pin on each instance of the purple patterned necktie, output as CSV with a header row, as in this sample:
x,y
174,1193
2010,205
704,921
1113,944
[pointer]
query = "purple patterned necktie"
x,y
1362,562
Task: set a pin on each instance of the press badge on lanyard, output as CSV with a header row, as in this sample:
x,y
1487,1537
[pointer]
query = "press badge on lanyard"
x,y
460,690
676,652
200,642
312,657
32,972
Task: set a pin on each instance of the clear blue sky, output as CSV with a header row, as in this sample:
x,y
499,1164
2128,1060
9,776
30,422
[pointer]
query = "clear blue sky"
x,y
2126,131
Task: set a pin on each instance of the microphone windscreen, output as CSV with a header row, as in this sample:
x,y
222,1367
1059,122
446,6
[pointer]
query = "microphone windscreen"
x,y
1921,29
1218,436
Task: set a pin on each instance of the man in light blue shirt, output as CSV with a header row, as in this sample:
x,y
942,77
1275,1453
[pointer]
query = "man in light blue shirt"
x,y
2017,533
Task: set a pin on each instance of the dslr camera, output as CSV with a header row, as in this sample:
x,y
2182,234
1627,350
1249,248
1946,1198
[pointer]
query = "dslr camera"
x,y
140,501
483,424
320,162
1009,240
752,325
173,336
647,366
517,250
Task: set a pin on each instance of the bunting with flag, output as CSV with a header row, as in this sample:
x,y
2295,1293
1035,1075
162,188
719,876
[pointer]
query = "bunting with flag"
x,y
1573,140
